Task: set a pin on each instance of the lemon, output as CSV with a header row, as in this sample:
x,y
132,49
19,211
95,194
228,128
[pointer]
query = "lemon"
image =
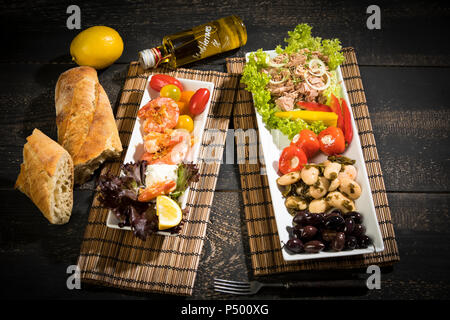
x,y
97,47
168,211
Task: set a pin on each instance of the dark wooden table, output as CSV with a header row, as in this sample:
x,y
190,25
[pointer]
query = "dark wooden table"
x,y
405,71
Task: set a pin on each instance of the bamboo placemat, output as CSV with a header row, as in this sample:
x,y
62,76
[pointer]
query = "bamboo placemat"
x,y
165,264
264,243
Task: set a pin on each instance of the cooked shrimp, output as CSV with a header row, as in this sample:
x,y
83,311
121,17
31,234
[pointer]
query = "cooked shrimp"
x,y
156,141
159,114
172,153
157,189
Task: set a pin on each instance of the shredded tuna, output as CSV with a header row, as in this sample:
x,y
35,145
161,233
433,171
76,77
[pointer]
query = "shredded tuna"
x,y
293,86
286,102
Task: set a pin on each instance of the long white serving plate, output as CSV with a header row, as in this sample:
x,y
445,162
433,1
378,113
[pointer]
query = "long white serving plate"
x,y
273,142
136,145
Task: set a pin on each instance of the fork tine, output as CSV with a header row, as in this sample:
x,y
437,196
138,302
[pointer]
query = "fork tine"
x,y
233,292
226,287
231,282
232,286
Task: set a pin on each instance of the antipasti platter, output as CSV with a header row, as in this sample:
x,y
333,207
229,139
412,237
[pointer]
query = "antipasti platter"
x,y
321,195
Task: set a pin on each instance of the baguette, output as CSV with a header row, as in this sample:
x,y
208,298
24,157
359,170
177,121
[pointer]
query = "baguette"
x,y
46,177
85,121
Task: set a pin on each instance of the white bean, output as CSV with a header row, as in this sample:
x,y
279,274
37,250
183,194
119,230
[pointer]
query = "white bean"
x,y
318,206
350,188
319,189
332,170
310,175
289,178
350,171
334,184
337,200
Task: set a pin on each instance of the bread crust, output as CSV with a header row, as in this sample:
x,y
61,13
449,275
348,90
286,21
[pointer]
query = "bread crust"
x,y
41,158
85,121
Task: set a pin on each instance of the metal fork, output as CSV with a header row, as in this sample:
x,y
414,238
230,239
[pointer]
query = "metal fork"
x,y
252,287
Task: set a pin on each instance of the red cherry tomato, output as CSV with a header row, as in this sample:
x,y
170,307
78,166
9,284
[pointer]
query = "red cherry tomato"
x,y
307,141
332,141
161,80
292,159
198,102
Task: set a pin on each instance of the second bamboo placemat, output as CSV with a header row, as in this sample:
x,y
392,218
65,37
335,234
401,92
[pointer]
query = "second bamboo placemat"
x,y
164,264
264,244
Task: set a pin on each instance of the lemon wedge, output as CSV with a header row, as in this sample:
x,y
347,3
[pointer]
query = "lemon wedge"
x,y
168,211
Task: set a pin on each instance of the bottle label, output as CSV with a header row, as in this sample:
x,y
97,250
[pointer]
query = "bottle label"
x,y
208,41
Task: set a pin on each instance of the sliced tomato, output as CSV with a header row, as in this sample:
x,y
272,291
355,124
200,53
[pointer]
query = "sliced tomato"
x,y
199,100
336,108
307,141
332,141
161,80
292,159
313,106
348,130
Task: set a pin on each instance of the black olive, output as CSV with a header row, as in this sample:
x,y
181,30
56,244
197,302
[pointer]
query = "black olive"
x,y
338,242
308,232
315,219
364,241
295,245
349,226
335,222
328,235
314,246
358,230
301,218
355,215
350,243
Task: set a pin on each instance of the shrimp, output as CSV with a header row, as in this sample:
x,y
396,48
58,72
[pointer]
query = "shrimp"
x,y
157,189
174,150
156,141
159,114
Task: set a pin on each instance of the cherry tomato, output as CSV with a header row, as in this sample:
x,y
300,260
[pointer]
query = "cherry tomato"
x,y
186,96
184,107
185,122
198,102
292,159
307,141
170,91
332,141
160,80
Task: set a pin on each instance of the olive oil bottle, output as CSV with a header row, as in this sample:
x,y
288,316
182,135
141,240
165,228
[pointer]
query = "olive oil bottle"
x,y
197,43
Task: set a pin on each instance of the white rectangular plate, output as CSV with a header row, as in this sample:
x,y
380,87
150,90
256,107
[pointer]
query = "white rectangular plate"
x,y
273,142
136,146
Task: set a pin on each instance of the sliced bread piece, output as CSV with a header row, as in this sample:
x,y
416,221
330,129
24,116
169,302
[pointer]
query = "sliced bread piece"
x,y
46,177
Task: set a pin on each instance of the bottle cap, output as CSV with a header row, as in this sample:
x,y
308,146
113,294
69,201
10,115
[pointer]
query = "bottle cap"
x,y
150,58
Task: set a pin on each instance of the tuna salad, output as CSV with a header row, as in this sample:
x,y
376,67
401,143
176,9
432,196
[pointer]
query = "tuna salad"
x,y
300,74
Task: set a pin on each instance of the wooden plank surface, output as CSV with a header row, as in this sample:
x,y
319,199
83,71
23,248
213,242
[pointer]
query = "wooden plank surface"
x,y
404,68
143,24
421,225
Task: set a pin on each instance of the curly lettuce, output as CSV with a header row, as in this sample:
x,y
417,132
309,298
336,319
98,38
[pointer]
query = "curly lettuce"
x,y
301,38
